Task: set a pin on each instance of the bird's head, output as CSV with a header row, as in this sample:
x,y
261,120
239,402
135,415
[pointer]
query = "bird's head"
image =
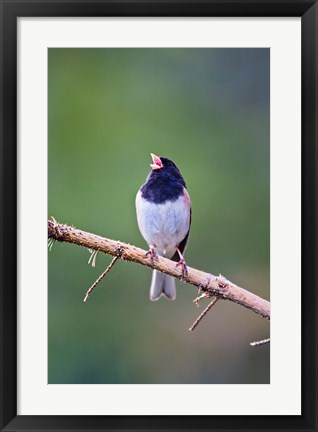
x,y
164,169
161,163
156,162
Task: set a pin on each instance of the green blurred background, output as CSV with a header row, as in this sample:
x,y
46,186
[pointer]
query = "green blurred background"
x,y
207,110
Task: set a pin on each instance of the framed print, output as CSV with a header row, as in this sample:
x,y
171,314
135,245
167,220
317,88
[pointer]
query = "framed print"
x,y
221,101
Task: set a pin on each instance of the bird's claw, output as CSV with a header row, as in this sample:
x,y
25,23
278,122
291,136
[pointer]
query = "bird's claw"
x,y
152,254
184,268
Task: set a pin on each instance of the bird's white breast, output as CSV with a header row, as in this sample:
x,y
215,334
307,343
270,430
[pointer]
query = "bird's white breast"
x,y
164,225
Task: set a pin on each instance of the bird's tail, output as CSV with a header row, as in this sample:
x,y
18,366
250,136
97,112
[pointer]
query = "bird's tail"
x,y
162,284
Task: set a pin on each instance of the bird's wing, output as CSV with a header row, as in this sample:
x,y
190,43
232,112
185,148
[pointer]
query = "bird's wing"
x,y
183,243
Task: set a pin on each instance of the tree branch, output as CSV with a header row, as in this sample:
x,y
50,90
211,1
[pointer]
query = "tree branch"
x,y
108,269
260,342
216,286
202,315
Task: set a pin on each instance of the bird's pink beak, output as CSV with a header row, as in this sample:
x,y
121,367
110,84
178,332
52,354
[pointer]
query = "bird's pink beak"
x,y
157,164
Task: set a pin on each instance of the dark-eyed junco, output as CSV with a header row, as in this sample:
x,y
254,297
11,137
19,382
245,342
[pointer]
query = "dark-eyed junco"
x,y
164,218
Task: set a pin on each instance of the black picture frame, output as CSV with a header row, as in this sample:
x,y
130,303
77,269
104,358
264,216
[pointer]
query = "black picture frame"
x,y
10,11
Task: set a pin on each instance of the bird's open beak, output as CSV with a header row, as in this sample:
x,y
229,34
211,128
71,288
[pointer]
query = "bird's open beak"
x,y
157,164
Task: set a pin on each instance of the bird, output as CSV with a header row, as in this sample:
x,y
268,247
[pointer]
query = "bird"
x,y
163,210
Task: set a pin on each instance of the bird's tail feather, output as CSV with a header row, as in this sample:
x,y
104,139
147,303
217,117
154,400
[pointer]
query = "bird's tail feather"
x,y
162,284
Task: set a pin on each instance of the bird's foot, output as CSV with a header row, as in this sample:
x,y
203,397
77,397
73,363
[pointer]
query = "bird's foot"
x,y
152,254
184,268
182,263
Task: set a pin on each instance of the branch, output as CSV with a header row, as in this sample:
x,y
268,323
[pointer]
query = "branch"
x,y
206,282
260,342
202,315
108,269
